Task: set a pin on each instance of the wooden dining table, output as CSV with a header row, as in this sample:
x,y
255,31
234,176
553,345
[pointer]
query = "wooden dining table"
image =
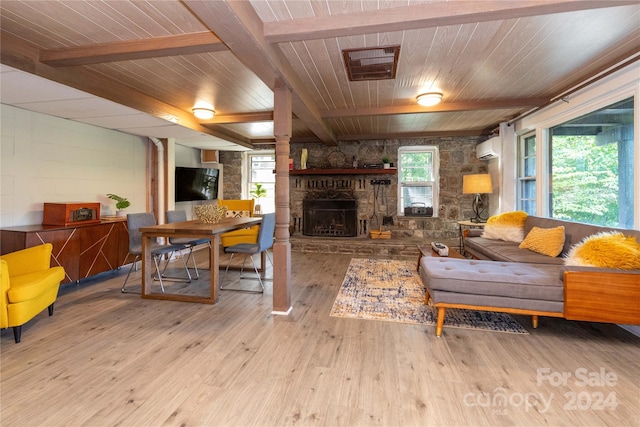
x,y
190,229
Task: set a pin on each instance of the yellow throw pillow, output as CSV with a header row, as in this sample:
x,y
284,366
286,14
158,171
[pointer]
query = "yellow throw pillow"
x,y
606,249
238,214
508,226
545,241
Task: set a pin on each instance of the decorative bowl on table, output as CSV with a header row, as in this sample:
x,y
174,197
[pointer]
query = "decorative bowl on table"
x,y
210,214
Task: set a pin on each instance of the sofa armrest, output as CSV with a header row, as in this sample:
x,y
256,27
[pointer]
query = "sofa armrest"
x,y
602,296
30,260
4,287
474,232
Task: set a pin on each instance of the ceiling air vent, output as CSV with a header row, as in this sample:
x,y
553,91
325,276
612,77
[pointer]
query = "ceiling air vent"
x,y
375,63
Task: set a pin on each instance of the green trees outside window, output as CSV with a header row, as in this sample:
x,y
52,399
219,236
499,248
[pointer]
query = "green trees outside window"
x,y
591,167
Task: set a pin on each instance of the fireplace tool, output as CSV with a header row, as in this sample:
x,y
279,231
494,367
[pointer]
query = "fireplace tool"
x,y
387,219
377,234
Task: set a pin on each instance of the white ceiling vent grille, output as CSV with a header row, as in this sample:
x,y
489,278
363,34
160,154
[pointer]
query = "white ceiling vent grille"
x,y
375,63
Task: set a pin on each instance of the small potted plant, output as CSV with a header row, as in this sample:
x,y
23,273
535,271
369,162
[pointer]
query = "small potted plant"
x,y
121,203
386,162
258,192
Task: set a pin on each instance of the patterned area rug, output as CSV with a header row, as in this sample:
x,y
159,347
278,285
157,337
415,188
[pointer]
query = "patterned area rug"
x,y
392,290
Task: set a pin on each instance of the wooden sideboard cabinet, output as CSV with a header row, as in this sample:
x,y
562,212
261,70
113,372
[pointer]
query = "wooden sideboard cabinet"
x,y
83,251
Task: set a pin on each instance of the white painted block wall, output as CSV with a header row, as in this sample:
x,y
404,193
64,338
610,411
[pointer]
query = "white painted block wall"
x,y
48,159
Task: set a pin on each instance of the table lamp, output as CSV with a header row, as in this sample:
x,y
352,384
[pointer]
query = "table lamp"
x,y
477,184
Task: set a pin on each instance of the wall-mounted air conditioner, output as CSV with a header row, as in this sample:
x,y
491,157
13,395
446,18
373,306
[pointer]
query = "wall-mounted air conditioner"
x,y
489,149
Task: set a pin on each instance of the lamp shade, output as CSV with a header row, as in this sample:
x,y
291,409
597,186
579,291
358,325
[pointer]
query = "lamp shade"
x,y
477,184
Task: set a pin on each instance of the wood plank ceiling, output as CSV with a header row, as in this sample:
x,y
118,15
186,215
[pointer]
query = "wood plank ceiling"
x,y
492,60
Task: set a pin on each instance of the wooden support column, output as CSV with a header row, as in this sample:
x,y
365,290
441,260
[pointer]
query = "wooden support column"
x,y
282,125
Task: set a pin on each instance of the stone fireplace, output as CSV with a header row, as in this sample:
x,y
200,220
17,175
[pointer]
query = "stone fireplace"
x,y
457,158
330,217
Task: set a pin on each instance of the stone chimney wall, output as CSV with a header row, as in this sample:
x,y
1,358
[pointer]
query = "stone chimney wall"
x,y
457,158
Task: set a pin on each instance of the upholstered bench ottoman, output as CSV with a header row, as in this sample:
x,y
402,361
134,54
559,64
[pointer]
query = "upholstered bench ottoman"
x,y
510,287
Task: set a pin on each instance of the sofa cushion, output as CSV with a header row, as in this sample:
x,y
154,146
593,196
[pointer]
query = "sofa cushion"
x,y
28,286
574,232
607,249
498,250
507,279
545,241
508,226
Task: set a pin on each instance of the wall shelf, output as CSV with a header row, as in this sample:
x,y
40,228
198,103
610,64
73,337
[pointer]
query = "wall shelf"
x,y
350,171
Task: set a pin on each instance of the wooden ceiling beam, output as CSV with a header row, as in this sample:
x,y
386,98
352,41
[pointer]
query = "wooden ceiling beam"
x,y
413,135
241,29
266,116
444,107
429,15
19,54
183,44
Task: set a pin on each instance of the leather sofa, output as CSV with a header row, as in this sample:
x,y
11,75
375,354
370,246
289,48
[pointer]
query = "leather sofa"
x,y
504,277
28,285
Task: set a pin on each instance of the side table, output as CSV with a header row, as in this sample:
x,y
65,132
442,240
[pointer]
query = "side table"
x,y
428,251
467,224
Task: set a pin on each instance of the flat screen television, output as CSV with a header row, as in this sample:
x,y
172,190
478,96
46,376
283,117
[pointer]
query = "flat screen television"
x,y
196,184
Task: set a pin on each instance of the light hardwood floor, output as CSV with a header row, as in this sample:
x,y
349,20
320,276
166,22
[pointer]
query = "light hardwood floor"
x,y
112,359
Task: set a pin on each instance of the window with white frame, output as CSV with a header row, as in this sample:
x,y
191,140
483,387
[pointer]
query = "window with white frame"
x,y
418,177
527,173
261,166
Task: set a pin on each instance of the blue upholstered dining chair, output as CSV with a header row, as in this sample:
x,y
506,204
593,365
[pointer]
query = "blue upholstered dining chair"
x,y
134,223
181,216
263,244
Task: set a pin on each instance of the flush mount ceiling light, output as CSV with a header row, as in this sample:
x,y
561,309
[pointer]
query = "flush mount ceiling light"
x,y
203,113
429,99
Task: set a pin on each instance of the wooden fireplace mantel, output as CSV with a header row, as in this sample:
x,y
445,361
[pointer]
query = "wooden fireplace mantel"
x,y
350,171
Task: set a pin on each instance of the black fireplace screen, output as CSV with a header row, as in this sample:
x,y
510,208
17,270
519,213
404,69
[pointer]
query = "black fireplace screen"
x,y
329,217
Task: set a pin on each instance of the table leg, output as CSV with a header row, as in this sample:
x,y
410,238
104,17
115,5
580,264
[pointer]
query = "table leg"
x,y
214,263
147,269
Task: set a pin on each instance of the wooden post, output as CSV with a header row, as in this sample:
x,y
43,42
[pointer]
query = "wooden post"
x,y
282,125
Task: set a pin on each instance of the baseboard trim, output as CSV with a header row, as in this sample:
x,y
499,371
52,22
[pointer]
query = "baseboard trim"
x,y
283,313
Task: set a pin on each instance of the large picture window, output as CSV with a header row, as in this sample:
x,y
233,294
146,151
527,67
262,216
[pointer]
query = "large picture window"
x,y
418,177
591,167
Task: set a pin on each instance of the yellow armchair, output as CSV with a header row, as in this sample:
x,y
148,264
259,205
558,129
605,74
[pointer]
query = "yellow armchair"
x,y
244,235
28,285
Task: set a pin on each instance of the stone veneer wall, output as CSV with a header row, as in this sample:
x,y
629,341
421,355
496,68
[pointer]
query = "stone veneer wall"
x,y
231,174
457,158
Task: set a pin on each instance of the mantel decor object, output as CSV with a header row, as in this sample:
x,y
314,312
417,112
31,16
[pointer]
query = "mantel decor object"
x,y
337,159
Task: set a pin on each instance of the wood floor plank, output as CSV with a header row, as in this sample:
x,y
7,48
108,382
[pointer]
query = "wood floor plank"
x,y
112,359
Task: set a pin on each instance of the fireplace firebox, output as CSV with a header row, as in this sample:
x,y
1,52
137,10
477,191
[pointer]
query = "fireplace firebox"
x,y
329,217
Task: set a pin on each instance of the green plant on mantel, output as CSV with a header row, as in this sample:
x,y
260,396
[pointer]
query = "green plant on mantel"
x,y
121,202
386,160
